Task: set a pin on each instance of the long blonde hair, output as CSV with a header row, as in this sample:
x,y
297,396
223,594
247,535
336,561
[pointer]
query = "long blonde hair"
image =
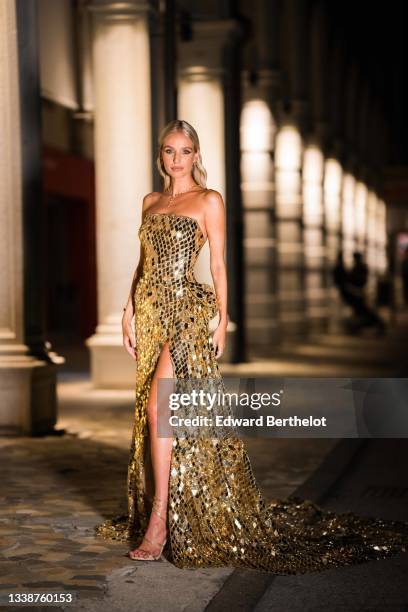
x,y
199,172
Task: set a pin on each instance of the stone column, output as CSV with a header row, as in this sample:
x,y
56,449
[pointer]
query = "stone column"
x,y
350,164
258,128
123,153
27,366
381,236
201,102
314,232
289,231
360,211
261,86
371,227
332,190
371,239
314,237
333,181
332,187
289,146
376,239
348,215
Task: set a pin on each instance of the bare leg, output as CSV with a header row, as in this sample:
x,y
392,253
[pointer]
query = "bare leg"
x,y
161,456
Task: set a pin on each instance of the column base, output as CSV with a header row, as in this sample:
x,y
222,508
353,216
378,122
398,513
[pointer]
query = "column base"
x,y
111,365
28,396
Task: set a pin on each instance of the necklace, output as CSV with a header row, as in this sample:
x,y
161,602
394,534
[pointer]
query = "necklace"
x,y
175,195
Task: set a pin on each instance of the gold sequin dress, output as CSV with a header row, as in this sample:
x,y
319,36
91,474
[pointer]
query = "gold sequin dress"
x,y
216,513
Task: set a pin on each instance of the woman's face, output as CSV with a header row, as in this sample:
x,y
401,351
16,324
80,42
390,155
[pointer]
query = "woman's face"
x,y
178,155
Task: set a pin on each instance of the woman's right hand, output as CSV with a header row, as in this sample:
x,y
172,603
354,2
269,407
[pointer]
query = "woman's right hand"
x,y
129,341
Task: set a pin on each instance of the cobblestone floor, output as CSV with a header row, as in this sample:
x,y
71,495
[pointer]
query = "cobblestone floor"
x,y
57,488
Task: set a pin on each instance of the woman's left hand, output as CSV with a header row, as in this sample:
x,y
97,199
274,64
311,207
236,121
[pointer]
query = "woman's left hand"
x,y
218,340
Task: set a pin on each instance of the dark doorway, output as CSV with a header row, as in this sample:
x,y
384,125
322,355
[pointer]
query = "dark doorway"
x,y
71,313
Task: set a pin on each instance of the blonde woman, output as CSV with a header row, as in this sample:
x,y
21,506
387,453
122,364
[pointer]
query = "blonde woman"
x,y
198,493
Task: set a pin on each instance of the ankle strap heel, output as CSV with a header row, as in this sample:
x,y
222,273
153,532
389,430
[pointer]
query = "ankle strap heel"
x,y
158,507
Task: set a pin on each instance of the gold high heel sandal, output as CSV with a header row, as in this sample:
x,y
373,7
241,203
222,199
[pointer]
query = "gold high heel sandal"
x,y
157,509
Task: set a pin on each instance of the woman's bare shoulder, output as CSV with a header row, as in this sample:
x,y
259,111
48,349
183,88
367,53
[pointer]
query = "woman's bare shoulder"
x,y
213,201
212,195
149,200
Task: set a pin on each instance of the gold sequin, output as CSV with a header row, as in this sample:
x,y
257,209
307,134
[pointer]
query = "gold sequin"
x,y
217,515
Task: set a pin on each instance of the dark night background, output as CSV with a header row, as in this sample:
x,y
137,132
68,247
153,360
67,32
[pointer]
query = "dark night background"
x,y
376,35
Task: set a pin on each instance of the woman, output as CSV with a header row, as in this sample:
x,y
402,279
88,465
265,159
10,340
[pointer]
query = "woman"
x,y
199,492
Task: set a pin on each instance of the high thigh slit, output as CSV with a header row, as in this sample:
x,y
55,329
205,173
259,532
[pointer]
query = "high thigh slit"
x,y
158,377
167,373
216,513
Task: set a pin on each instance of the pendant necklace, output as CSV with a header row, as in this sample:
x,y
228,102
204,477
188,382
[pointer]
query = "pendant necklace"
x,y
175,195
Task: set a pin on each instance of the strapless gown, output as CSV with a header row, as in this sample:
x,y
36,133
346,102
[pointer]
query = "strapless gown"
x,y
216,513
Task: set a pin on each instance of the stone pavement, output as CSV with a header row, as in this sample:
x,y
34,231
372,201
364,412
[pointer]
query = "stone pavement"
x,y
56,488
373,484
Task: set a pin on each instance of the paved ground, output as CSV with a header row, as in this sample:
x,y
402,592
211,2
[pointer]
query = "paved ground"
x,y
58,487
375,484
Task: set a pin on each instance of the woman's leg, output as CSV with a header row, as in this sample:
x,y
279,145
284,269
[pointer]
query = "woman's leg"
x,y
160,448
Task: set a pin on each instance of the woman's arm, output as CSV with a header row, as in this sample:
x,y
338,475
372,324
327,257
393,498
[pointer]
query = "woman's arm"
x,y
129,306
129,341
215,228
